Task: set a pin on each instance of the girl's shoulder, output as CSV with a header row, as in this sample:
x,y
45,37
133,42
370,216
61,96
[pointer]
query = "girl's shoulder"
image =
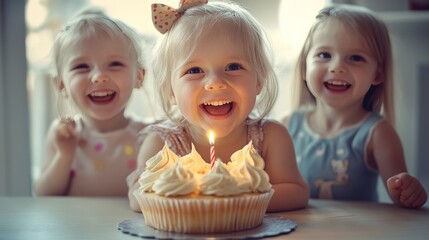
x,y
164,127
274,128
373,117
381,129
263,123
266,131
274,138
268,123
297,115
367,125
174,134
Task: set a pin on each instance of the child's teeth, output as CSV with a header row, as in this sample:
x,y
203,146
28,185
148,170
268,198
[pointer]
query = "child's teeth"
x,y
217,103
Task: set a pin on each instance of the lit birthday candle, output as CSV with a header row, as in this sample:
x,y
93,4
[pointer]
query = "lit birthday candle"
x,y
212,149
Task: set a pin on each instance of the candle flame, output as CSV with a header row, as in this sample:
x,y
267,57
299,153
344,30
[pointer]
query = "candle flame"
x,y
211,138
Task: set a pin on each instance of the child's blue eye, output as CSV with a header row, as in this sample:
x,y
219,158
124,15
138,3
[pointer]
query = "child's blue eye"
x,y
80,66
194,70
116,63
324,55
357,58
233,67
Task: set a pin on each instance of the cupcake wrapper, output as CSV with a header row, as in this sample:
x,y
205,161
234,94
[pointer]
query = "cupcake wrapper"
x,y
204,214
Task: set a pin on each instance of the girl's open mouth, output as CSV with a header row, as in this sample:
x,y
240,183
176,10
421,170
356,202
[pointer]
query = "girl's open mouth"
x,y
337,85
218,108
102,97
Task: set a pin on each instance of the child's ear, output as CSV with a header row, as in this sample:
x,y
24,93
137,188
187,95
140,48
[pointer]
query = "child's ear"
x,y
259,86
59,83
61,87
140,77
377,79
172,98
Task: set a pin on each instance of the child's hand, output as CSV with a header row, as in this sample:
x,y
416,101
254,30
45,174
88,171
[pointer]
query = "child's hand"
x,y
132,182
406,190
65,137
133,177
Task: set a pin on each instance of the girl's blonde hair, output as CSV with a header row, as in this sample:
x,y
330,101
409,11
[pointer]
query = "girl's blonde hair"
x,y
374,33
89,23
180,41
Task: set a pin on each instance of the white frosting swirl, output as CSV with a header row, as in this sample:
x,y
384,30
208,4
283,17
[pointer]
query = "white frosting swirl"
x,y
219,181
251,178
195,162
168,175
155,166
176,181
248,154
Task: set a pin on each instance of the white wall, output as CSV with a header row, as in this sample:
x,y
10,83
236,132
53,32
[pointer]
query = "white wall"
x,y
409,32
422,124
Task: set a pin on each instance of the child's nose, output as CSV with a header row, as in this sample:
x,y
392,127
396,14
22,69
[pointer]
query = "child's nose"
x,y
337,66
215,83
99,77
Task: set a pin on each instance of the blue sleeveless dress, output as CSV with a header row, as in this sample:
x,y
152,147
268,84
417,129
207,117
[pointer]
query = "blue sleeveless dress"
x,y
335,167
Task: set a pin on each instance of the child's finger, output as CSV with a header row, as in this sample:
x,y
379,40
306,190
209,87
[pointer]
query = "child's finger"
x,y
70,122
421,199
66,127
413,200
409,197
410,187
406,180
63,130
393,182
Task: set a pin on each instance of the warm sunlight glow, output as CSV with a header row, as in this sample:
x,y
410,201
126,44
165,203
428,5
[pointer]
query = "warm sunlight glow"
x,y
35,14
295,18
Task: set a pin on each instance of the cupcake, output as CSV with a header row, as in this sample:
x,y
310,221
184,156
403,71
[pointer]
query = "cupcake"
x,y
188,197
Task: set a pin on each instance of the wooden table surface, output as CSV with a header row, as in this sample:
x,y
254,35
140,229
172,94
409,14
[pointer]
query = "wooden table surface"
x,y
65,218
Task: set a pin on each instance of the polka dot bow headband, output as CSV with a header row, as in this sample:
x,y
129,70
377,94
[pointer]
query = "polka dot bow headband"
x,y
164,16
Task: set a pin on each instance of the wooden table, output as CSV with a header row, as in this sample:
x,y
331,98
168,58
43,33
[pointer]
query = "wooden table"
x,y
65,218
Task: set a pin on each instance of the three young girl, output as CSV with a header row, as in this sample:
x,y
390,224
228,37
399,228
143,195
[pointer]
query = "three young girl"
x,y
213,73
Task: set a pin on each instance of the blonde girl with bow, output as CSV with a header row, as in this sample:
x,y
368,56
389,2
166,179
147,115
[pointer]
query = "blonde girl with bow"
x,y
213,72
97,62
